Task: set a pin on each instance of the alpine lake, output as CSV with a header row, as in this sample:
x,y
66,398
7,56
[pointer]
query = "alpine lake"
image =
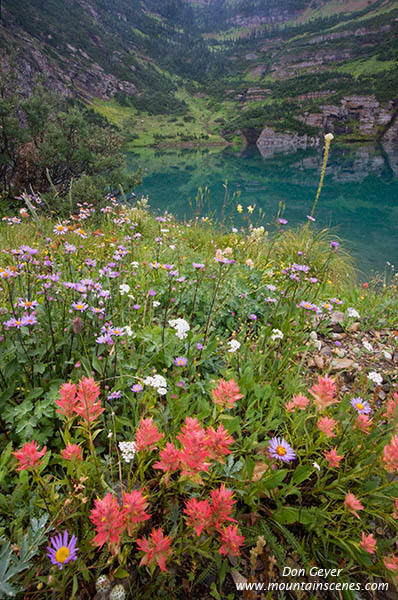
x,y
359,198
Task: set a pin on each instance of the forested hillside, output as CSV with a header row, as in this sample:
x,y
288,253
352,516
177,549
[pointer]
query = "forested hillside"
x,y
228,67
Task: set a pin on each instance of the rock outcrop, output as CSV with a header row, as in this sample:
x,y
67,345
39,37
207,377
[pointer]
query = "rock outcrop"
x,y
361,116
271,142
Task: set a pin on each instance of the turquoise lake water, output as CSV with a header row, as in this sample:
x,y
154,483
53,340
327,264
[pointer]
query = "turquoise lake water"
x,y
359,199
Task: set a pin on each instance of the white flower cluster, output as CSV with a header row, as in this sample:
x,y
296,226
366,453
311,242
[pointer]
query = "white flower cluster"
x,y
127,329
158,382
351,312
257,232
234,345
181,326
375,377
124,288
276,334
128,451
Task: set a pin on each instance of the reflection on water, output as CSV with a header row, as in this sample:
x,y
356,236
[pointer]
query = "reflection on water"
x,y
359,198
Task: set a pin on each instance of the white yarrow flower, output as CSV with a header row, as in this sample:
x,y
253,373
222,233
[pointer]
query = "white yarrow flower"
x,y
375,377
181,326
124,288
158,382
351,312
128,450
234,345
276,334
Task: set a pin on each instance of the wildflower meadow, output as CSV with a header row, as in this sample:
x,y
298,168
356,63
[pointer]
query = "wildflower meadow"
x,y
169,425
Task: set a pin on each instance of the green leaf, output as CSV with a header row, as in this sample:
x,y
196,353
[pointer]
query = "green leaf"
x,y
231,423
286,515
301,473
268,483
121,573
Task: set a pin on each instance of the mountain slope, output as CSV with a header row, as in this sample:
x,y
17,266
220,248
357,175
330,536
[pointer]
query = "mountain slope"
x,y
229,67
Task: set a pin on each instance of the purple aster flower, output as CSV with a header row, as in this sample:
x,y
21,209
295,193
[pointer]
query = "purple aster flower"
x,y
310,218
151,293
13,323
282,221
199,346
180,361
161,219
279,448
29,319
114,395
253,317
90,262
361,406
62,550
198,265
27,304
136,306
334,245
137,387
104,339
80,306
271,300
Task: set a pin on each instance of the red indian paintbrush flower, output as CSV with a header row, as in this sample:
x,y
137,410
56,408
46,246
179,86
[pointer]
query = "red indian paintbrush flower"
x,y
198,514
194,448
72,451
29,456
391,563
324,392
222,503
87,405
226,393
108,518
230,541
333,458
390,455
156,548
392,408
368,543
363,423
134,505
147,435
68,400
218,441
353,504
326,426
169,459
298,401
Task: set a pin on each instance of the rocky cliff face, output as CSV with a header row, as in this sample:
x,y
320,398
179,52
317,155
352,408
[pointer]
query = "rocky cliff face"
x,y
356,116
271,142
